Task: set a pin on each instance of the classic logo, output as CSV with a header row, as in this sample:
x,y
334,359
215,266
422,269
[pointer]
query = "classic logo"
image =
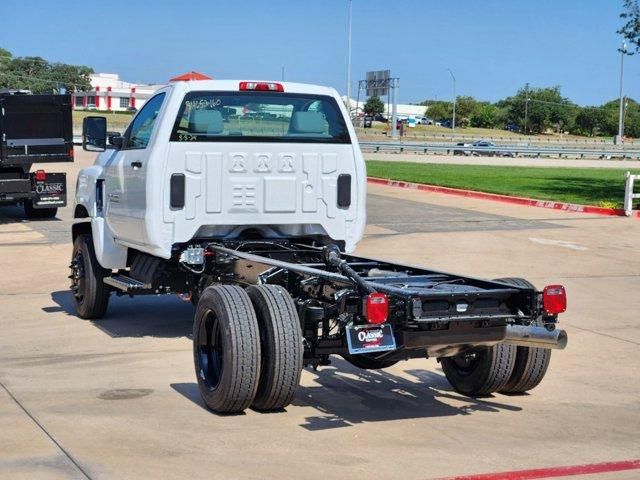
x,y
56,188
368,336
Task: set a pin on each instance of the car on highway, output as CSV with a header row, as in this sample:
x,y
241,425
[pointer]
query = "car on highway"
x,y
487,148
463,149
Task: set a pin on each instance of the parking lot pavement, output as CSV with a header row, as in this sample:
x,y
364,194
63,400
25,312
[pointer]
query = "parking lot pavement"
x,y
117,398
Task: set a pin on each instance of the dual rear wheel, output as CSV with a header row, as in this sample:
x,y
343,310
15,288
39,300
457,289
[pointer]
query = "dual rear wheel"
x,y
501,368
247,347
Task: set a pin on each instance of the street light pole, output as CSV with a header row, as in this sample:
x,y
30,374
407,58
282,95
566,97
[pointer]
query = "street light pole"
x,y
349,64
455,98
526,113
619,137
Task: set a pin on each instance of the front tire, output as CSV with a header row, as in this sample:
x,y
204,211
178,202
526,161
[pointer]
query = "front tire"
x,y
226,349
281,347
531,362
482,372
90,293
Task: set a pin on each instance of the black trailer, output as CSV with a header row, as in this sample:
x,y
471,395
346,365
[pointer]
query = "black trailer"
x,y
34,129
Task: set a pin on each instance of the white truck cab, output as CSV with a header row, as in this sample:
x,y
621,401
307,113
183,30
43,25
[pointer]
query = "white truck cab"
x,y
207,159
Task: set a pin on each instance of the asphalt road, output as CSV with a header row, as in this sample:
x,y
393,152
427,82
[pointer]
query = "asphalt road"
x,y
117,398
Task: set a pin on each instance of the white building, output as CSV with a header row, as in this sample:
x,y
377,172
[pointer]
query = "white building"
x,y
404,110
112,94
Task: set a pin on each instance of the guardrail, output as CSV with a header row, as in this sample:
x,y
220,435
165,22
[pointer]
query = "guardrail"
x,y
424,136
629,195
500,150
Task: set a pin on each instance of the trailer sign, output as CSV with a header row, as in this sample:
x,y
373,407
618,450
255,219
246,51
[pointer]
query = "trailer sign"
x,y
370,338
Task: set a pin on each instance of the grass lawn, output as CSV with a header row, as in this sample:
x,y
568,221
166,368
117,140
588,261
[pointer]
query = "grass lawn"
x,y
585,186
115,121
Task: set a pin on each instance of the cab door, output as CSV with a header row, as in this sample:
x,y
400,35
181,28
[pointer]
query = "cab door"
x,y
125,176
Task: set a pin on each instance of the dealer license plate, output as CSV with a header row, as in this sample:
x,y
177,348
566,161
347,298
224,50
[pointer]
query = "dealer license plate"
x,y
370,338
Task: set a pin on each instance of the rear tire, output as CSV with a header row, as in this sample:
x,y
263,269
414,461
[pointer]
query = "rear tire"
x,y
226,349
90,293
33,213
280,344
482,372
531,362
368,361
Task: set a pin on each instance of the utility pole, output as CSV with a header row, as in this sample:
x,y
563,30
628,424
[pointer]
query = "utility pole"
x,y
526,113
455,99
349,64
623,52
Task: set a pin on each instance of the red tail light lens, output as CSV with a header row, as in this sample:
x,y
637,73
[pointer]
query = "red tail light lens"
x,y
554,299
40,175
262,86
377,308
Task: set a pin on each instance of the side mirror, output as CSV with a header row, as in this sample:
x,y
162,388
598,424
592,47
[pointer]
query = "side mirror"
x,y
115,139
94,134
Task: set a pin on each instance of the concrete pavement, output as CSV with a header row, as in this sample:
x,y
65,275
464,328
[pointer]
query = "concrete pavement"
x,y
117,398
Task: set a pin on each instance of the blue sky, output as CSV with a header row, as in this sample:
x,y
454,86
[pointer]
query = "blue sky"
x,y
493,46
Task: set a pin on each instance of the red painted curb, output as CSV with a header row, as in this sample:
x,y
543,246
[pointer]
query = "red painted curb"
x,y
529,202
554,472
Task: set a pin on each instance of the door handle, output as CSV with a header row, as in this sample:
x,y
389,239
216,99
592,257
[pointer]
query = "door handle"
x,y
136,164
114,196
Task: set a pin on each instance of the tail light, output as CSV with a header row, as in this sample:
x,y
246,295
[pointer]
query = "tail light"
x,y
377,308
554,299
40,175
262,86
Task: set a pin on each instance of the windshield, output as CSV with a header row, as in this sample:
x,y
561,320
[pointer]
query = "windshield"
x,y
259,117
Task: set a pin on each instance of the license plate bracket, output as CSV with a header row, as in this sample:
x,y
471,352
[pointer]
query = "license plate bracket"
x,y
52,192
370,338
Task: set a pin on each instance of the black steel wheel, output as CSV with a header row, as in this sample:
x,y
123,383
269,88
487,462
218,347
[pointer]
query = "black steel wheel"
x,y
481,372
90,293
368,361
280,344
226,349
531,362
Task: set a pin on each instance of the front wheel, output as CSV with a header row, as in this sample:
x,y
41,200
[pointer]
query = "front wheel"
x,y
90,293
481,372
226,349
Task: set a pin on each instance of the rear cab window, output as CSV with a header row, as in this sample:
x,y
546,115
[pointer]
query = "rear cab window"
x,y
259,117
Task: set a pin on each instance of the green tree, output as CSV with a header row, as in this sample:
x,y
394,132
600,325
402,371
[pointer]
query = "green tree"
x,y
589,121
373,106
541,108
466,108
631,29
486,115
40,76
437,110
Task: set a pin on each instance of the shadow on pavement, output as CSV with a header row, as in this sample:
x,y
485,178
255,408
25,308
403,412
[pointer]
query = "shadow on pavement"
x,y
144,316
345,396
190,391
15,214
379,395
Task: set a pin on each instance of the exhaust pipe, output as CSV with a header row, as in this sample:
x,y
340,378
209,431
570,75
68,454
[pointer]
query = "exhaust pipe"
x,y
536,337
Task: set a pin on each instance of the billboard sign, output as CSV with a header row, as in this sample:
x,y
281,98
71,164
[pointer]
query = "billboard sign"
x,y
378,83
